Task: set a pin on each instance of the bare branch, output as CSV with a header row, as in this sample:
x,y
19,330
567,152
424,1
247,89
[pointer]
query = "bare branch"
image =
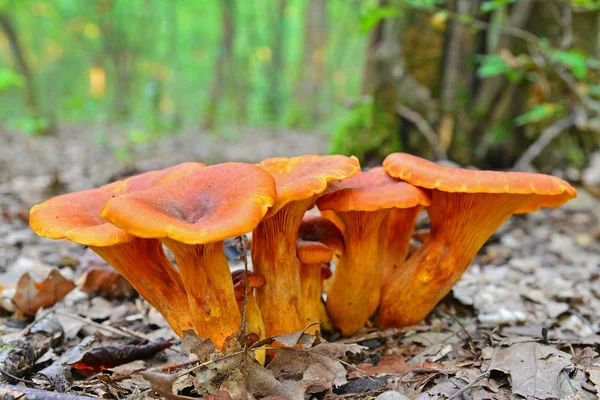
x,y
425,129
545,138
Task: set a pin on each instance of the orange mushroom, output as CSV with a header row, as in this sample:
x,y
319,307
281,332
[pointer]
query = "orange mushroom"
x,y
363,204
253,315
318,240
401,225
466,209
300,181
76,216
192,216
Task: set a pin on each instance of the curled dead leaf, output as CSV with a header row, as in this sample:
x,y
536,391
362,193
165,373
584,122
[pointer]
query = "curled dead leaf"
x,y
99,278
30,296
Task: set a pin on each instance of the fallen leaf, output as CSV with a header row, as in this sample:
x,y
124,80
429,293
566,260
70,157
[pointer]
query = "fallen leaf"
x,y
534,368
201,347
101,358
59,372
163,385
390,364
99,278
295,338
30,296
318,367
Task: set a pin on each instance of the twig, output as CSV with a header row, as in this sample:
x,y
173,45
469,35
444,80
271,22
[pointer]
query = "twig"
x,y
6,373
469,386
97,325
244,258
28,328
23,393
425,129
461,326
545,138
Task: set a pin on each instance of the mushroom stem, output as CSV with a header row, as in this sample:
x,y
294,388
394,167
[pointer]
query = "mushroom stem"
x,y
144,264
274,257
460,224
354,293
311,290
205,273
400,228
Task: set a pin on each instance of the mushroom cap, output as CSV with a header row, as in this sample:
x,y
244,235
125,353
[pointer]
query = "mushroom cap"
x,y
76,216
300,178
370,191
319,229
552,191
205,206
309,252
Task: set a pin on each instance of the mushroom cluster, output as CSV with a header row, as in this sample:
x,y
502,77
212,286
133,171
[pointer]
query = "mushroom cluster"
x,y
366,223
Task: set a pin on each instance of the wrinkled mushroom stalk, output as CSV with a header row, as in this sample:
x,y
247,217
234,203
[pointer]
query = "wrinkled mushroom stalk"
x,y
274,257
145,266
205,273
354,293
400,229
311,290
460,224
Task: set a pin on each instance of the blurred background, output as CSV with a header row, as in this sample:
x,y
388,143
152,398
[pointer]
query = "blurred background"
x,y
488,83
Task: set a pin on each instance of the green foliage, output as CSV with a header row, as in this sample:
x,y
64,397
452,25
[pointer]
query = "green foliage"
x,y
163,76
9,79
574,60
365,135
493,5
538,113
590,5
371,17
32,126
495,65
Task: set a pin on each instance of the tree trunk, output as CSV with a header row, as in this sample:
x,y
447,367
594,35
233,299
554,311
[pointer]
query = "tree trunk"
x,y
313,65
451,75
275,99
222,63
375,40
29,88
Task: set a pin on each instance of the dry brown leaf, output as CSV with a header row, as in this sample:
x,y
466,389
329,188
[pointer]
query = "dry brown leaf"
x,y
99,278
30,296
534,368
390,364
203,348
163,385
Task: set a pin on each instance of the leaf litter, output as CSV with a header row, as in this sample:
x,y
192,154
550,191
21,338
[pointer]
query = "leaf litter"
x,y
523,322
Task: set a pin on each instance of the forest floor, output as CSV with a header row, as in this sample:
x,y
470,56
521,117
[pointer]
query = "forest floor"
x,y
523,322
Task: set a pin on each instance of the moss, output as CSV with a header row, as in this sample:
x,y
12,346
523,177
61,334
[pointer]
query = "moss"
x,y
367,133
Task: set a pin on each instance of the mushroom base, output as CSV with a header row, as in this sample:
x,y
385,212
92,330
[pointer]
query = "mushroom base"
x,y
144,264
354,293
460,224
205,273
